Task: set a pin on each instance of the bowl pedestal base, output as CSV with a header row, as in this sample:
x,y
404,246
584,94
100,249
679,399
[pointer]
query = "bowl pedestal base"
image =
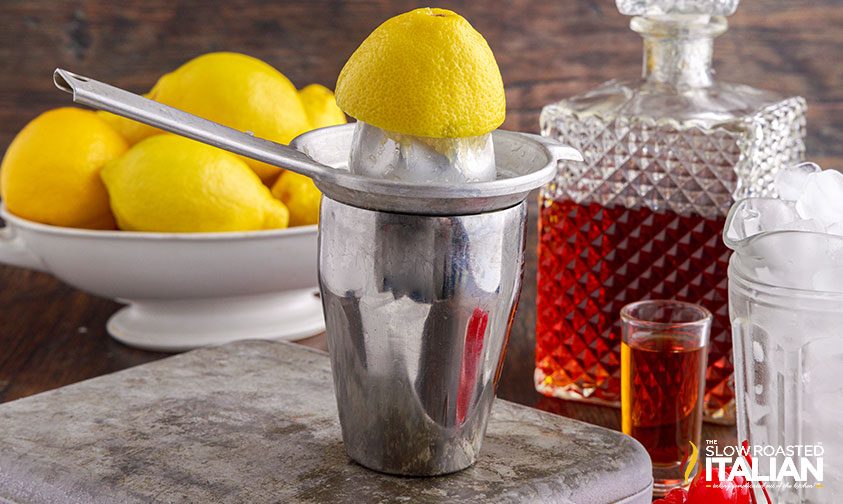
x,y
179,325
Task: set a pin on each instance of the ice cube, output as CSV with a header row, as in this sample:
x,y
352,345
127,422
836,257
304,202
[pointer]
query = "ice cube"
x,y
822,198
790,181
742,222
757,215
382,154
776,214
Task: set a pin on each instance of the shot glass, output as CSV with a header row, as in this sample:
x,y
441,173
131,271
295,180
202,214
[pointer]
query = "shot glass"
x,y
663,359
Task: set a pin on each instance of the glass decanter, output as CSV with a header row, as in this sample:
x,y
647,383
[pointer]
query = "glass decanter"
x,y
641,218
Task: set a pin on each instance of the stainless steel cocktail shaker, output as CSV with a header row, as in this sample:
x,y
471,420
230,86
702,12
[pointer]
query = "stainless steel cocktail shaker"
x,y
419,295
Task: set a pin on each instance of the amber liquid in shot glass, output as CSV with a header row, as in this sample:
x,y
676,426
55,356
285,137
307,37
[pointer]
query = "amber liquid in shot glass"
x,y
663,359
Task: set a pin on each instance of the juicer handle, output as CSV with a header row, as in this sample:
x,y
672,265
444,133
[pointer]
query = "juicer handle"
x,y
118,101
14,252
558,150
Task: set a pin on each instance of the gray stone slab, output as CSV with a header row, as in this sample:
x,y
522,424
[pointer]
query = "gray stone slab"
x,y
256,422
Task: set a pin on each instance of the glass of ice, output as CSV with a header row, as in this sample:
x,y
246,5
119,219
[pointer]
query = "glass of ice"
x,y
786,310
788,352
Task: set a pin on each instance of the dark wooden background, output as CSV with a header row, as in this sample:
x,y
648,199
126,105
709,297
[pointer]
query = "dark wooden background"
x,y
52,335
547,49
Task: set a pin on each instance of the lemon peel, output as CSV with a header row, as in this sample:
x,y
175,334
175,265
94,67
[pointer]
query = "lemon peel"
x,y
426,73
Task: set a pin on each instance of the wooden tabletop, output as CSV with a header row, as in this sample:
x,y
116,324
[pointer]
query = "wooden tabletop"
x,y
53,335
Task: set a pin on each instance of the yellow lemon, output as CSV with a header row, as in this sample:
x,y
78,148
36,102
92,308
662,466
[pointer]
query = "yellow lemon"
x,y
301,196
168,183
427,73
233,89
321,107
51,171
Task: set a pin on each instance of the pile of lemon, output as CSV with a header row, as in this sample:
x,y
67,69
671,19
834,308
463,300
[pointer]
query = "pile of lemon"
x,y
83,169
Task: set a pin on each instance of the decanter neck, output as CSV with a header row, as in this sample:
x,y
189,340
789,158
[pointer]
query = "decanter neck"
x,y
678,49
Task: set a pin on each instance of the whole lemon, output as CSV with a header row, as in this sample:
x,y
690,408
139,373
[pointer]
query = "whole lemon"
x,y
233,89
426,73
321,106
301,196
51,171
169,183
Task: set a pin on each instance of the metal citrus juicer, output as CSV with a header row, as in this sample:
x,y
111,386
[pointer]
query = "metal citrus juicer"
x,y
419,282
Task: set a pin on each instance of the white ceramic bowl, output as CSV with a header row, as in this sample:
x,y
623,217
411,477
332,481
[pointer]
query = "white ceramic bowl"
x,y
182,290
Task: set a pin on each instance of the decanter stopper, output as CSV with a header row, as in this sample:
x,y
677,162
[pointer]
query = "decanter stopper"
x,y
667,7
